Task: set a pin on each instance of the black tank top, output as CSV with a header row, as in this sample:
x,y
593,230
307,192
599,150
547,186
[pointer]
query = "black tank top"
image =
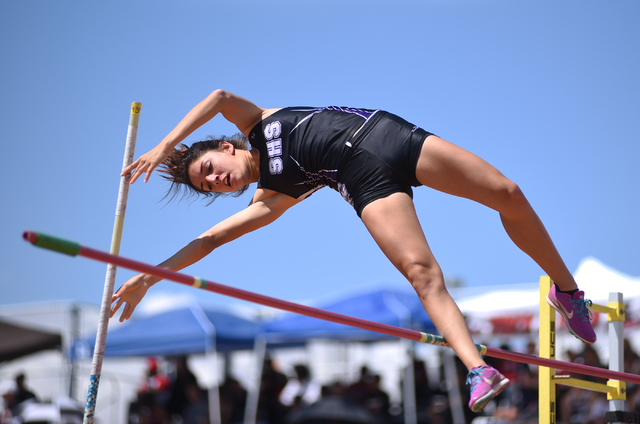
x,y
302,148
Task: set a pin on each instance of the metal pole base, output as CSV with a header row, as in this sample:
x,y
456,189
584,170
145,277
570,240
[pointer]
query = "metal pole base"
x,y
622,417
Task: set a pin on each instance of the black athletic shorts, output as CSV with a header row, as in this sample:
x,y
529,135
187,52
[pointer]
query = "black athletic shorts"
x,y
383,160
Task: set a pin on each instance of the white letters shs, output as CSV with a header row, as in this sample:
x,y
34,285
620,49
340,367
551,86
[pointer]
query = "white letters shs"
x,y
274,146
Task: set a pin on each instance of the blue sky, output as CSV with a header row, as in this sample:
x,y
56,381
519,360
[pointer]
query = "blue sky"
x,y
546,91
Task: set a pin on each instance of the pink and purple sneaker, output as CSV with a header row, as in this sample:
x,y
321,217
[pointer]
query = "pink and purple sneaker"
x,y
575,311
486,383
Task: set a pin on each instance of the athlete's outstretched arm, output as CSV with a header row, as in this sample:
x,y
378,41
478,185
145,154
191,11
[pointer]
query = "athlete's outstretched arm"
x,y
266,207
235,109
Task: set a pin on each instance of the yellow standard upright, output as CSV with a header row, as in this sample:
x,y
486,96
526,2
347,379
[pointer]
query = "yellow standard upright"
x,y
615,390
547,343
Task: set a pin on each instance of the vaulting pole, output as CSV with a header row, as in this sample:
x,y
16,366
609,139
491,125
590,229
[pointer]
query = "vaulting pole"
x,y
116,237
75,249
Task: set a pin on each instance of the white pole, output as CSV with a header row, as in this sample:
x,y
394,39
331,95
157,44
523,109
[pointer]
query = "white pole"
x,y
121,206
616,349
253,397
409,384
453,388
211,356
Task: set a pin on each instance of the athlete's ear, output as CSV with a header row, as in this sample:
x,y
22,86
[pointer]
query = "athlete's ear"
x,y
227,147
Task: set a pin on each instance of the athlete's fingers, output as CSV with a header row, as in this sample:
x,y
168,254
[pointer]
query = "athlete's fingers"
x,y
142,167
132,168
128,168
135,174
115,308
124,313
128,310
148,174
117,294
139,167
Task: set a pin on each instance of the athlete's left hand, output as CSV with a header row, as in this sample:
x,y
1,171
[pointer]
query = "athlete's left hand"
x,y
146,163
131,293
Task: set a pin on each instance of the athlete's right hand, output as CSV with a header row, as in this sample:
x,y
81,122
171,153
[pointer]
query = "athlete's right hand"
x,y
131,293
146,163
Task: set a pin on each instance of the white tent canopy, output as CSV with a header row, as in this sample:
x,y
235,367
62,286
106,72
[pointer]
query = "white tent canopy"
x,y
598,280
517,307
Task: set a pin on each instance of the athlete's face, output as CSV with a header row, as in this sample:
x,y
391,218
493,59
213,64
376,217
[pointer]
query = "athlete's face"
x,y
221,171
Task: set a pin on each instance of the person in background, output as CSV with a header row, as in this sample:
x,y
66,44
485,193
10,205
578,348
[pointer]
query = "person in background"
x,y
271,385
184,390
153,394
301,390
23,393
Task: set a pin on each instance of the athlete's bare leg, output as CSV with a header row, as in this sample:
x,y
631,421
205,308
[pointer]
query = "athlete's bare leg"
x,y
393,223
451,169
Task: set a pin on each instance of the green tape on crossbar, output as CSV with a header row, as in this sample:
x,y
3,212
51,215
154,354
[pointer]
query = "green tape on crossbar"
x,y
53,243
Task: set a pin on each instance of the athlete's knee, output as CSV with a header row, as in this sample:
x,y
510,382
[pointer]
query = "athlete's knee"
x,y
426,279
509,197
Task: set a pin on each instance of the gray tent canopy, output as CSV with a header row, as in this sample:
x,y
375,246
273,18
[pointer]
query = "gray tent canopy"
x,y
17,341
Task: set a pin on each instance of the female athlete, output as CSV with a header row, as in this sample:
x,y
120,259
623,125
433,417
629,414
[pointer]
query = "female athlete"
x,y
373,158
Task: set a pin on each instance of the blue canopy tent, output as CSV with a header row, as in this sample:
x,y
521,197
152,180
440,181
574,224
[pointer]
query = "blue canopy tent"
x,y
382,305
386,306
185,330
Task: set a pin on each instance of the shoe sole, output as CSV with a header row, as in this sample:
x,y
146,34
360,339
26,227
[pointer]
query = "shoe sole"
x,y
566,321
482,402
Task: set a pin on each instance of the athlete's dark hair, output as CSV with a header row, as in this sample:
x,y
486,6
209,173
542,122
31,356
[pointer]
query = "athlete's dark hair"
x,y
175,168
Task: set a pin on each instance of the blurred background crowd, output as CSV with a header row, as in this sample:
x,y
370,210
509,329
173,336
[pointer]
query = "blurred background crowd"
x,y
170,393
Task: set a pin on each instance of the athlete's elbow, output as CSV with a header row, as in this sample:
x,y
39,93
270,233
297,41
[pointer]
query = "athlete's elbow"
x,y
220,94
207,244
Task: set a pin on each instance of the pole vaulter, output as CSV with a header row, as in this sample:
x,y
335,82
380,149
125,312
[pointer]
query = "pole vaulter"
x,y
75,249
